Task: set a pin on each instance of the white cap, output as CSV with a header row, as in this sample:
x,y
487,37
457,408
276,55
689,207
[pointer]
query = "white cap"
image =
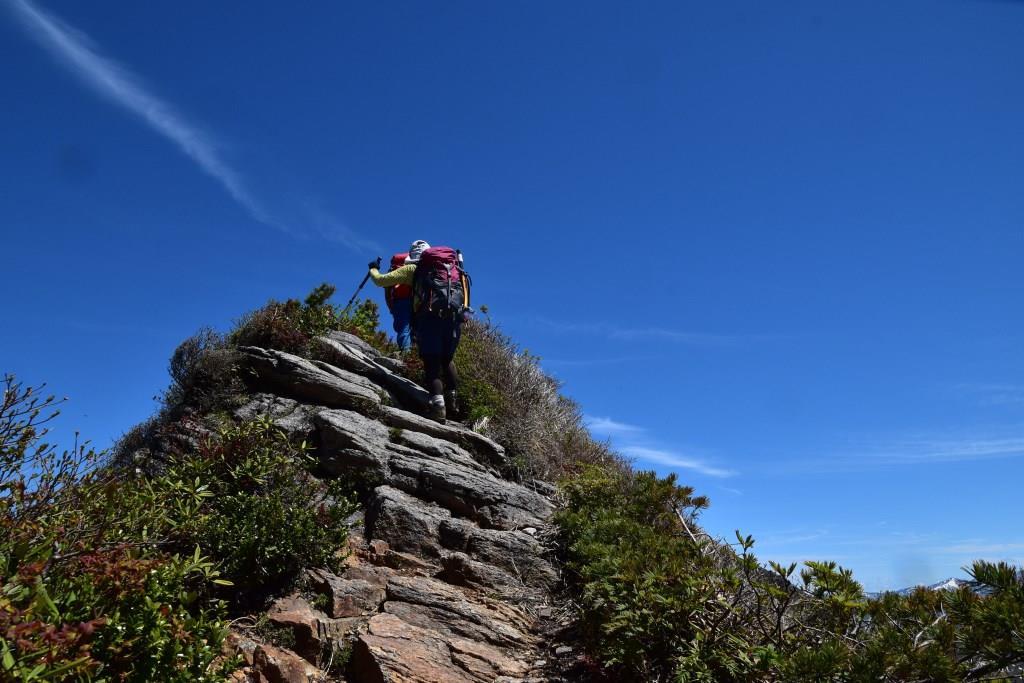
x,y
416,250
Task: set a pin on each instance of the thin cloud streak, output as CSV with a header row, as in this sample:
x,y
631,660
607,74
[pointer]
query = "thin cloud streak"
x,y
605,426
76,51
638,447
671,459
951,450
982,548
908,452
995,394
641,333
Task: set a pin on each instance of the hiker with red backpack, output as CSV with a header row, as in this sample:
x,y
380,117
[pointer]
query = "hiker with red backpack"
x,y
440,296
399,301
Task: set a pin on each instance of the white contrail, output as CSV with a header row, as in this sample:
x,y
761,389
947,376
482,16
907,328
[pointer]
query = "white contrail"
x,y
75,50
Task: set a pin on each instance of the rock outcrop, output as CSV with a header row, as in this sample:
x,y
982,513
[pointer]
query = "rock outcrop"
x,y
446,575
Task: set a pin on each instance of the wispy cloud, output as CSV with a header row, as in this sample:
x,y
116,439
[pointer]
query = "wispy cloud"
x,y
929,451
327,227
588,362
643,333
909,451
995,394
80,55
981,548
76,51
635,442
605,426
676,460
791,537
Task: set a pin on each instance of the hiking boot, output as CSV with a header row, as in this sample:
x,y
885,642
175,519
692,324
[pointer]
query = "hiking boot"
x,y
436,408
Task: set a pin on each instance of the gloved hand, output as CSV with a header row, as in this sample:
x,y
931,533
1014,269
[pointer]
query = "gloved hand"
x,y
374,264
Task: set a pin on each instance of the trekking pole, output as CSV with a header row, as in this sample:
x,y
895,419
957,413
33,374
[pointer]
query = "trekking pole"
x,y
375,264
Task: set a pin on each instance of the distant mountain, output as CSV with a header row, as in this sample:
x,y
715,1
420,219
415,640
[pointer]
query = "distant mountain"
x,y
950,584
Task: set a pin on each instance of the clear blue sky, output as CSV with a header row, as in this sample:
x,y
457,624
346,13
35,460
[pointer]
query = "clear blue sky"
x,y
773,247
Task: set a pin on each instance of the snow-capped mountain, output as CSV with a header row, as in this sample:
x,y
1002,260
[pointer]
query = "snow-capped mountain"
x,y
950,584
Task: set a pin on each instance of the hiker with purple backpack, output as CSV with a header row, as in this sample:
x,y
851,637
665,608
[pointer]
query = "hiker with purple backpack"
x,y
440,294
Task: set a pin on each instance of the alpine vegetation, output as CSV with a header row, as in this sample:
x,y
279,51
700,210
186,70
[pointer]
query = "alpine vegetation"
x,y
302,508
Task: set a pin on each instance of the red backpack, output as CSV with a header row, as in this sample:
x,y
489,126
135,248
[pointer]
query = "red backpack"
x,y
440,286
397,292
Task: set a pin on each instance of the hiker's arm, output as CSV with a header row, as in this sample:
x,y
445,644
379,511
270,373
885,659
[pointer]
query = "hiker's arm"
x,y
401,276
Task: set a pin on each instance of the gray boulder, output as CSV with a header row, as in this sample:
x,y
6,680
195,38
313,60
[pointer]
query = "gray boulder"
x,y
294,377
354,359
429,468
487,451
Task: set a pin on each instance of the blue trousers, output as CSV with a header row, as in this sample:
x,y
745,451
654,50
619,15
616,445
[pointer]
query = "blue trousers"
x,y
401,311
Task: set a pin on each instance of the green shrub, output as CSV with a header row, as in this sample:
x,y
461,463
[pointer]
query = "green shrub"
x,y
291,325
263,516
661,601
83,592
642,586
204,376
108,576
542,430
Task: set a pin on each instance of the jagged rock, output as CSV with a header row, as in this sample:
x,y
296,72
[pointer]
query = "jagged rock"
x,y
426,467
462,570
488,451
443,585
543,487
274,665
395,651
436,448
350,357
392,364
405,522
351,442
479,495
315,632
295,377
350,597
516,552
443,608
412,525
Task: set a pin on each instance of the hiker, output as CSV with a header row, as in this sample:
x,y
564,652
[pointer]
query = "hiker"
x,y
399,301
440,294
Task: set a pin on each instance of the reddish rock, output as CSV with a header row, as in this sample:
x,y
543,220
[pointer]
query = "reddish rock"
x,y
439,606
350,597
274,665
397,652
316,634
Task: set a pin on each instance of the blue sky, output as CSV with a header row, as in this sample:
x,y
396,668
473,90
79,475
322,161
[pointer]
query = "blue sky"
x,y
773,248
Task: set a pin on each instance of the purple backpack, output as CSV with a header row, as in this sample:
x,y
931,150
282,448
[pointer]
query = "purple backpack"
x,y
440,286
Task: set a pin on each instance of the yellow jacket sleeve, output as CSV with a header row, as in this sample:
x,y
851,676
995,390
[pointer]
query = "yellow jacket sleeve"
x,y
399,276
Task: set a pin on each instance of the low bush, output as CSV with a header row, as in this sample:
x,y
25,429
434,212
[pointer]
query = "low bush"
x,y
261,515
660,601
507,390
204,376
291,325
79,596
107,576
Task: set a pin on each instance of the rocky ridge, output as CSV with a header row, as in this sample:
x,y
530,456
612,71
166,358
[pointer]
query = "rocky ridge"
x,y
448,575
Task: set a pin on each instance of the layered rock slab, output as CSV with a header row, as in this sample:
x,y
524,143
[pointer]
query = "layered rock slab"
x,y
427,467
395,651
461,572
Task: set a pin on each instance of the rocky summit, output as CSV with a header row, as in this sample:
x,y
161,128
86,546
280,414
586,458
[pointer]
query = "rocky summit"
x,y
448,577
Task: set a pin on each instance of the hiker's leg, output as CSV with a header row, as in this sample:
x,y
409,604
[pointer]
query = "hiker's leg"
x,y
433,367
401,309
451,377
452,334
